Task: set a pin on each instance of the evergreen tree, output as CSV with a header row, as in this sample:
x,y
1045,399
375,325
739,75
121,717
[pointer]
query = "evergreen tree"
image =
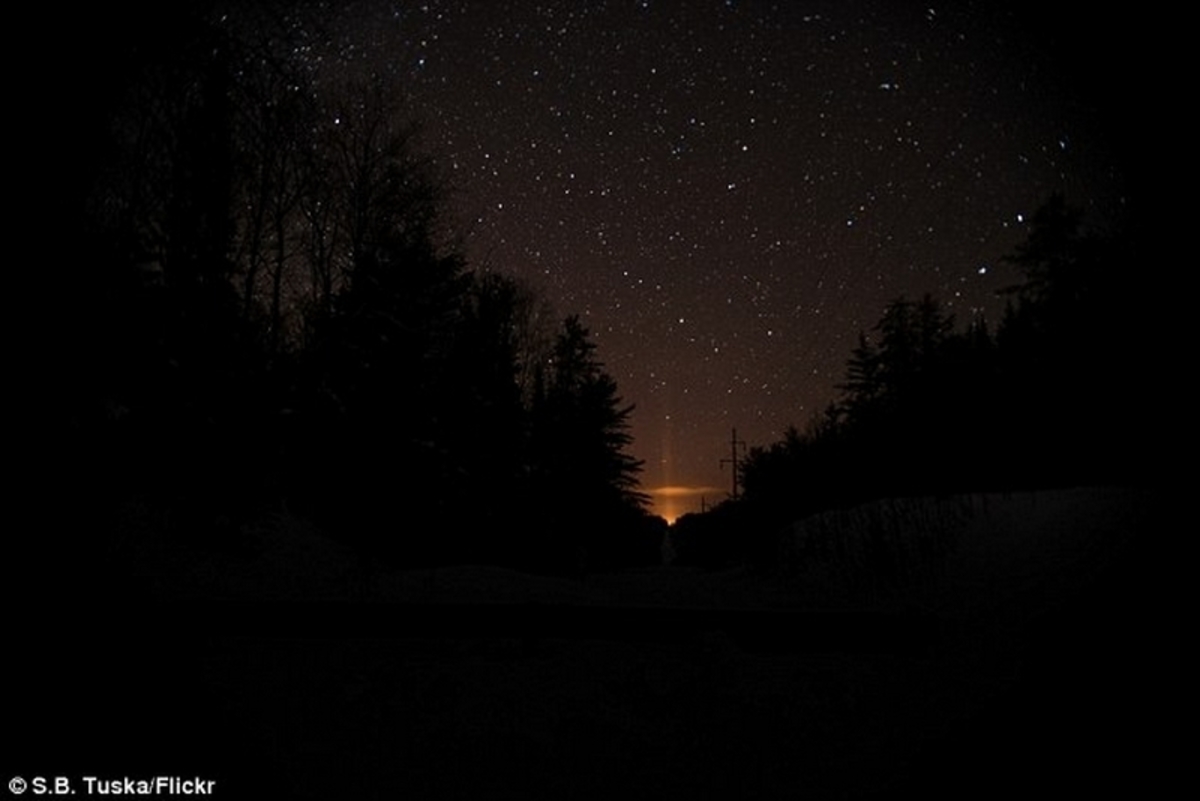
x,y
270,310
1078,319
176,378
384,376
586,482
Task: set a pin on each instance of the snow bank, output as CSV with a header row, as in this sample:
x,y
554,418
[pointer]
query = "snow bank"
x,y
967,552
973,552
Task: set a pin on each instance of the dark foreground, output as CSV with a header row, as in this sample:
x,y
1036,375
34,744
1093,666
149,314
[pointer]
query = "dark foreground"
x,y
569,700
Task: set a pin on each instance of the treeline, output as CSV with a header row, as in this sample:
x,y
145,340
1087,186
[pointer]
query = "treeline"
x,y
1062,393
263,308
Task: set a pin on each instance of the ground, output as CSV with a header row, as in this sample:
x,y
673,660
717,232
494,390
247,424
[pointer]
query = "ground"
x,y
1039,673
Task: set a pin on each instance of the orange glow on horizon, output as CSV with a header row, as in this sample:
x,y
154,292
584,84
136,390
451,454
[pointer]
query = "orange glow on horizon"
x,y
672,502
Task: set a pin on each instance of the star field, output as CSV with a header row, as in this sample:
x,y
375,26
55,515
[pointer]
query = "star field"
x,y
728,192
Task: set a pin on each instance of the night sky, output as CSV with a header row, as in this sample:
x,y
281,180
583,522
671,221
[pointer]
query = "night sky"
x,y
728,192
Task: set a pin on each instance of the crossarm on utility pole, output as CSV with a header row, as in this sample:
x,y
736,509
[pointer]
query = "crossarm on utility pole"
x,y
733,460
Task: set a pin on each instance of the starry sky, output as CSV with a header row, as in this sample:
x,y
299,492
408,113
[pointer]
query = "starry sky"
x,y
728,191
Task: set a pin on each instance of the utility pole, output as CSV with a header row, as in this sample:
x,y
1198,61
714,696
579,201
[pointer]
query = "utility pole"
x,y
734,442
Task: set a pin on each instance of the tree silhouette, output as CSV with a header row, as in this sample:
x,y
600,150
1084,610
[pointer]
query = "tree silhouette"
x,y
276,121
267,314
926,409
176,381
380,363
1085,312
584,479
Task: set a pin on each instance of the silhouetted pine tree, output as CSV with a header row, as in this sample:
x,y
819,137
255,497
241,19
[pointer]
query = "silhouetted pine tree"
x,y
489,423
586,483
382,378
1077,349
263,308
176,384
1049,400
